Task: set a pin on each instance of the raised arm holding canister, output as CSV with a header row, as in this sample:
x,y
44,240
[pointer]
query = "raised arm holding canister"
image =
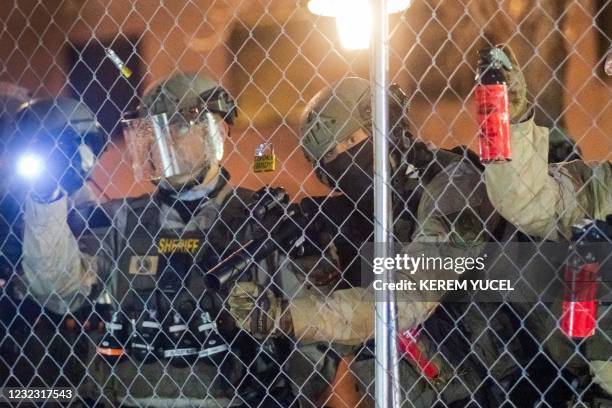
x,y
544,199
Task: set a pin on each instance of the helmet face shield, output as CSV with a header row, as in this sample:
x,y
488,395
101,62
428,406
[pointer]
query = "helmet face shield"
x,y
184,145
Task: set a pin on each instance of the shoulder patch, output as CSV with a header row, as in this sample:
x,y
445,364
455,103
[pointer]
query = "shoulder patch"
x,y
143,265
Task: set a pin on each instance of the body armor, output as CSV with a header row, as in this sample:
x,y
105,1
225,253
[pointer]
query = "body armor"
x,y
174,347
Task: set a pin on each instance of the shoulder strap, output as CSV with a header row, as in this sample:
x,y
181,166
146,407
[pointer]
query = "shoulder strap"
x,y
467,153
145,206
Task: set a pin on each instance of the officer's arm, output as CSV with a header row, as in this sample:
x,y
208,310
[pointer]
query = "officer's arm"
x,y
346,316
539,199
60,277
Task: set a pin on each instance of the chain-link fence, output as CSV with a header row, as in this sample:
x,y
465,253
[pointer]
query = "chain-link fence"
x,y
172,277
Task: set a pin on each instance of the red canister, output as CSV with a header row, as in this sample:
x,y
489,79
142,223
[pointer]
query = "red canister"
x,y
494,123
409,348
579,313
492,107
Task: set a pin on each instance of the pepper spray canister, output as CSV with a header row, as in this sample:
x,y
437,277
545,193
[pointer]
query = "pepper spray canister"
x,y
409,347
579,309
493,112
581,276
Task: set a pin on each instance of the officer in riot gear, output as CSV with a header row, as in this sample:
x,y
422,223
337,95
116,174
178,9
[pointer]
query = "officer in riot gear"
x,y
546,201
438,197
11,323
427,183
168,342
28,153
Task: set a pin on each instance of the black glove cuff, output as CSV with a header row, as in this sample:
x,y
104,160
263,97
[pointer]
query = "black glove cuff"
x,y
266,324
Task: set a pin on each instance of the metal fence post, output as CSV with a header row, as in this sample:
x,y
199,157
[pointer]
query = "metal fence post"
x,y
387,371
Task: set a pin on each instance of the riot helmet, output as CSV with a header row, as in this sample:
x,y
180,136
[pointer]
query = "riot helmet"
x,y
177,134
336,135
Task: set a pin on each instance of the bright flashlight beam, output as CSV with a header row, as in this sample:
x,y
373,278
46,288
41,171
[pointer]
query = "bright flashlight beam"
x,y
29,166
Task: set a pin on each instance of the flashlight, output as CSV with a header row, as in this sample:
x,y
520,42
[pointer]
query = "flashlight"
x,y
29,166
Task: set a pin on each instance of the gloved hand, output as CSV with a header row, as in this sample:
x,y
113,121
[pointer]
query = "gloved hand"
x,y
517,87
257,311
62,171
561,147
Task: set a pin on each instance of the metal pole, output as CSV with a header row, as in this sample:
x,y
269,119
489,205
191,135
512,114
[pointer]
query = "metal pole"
x,y
387,391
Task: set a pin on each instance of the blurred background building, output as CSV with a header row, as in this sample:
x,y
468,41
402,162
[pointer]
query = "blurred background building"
x,y
273,55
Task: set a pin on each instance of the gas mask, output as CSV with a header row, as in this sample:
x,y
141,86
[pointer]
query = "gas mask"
x,y
352,172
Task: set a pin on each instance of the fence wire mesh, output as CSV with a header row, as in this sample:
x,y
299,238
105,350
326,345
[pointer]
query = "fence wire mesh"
x,y
203,288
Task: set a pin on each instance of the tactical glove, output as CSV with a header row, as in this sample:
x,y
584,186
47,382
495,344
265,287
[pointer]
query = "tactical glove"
x,y
257,311
561,147
63,173
517,88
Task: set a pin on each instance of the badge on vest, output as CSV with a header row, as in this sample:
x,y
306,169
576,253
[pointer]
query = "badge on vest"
x,y
143,265
173,245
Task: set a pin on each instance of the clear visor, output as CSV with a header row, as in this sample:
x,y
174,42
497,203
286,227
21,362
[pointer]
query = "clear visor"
x,y
162,148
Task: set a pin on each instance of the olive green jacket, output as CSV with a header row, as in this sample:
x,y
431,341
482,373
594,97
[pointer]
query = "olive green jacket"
x,y
454,211
546,200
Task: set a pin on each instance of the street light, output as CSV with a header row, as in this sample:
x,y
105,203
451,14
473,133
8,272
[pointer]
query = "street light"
x,y
353,18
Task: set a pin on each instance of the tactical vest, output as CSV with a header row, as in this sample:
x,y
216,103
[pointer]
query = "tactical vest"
x,y
416,170
161,270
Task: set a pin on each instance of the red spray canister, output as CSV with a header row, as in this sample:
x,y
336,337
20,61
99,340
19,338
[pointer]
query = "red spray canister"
x,y
579,311
581,275
409,348
493,112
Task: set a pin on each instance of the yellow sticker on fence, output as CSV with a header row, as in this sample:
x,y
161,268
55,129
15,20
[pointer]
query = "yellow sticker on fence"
x,y
265,159
264,163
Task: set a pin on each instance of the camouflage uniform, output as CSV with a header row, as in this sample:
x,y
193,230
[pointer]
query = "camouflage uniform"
x,y
543,200
439,199
465,340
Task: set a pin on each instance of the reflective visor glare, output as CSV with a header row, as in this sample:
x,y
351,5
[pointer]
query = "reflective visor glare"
x,y
161,149
191,146
151,148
